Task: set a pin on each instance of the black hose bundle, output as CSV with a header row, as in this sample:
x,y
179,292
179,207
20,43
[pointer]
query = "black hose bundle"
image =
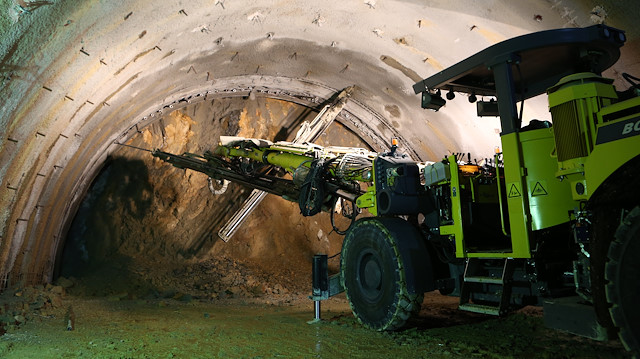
x,y
632,80
312,191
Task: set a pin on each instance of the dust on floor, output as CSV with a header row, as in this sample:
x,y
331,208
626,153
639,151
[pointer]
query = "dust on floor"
x,y
185,327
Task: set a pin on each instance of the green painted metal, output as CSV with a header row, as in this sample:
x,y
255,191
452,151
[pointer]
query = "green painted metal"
x,y
501,197
549,197
368,200
291,157
606,159
574,102
612,153
610,133
455,229
288,161
517,199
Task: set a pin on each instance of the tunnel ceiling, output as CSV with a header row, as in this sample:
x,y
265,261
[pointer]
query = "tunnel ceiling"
x,y
79,77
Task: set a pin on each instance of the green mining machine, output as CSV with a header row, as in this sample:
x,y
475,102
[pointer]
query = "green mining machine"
x,y
553,220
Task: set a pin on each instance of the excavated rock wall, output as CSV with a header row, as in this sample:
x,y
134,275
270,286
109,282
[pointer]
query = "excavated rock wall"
x,y
141,210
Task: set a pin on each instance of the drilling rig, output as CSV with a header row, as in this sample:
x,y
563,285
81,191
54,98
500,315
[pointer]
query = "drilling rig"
x,y
552,220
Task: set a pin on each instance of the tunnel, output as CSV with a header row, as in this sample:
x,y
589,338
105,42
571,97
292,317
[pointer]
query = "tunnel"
x,y
88,88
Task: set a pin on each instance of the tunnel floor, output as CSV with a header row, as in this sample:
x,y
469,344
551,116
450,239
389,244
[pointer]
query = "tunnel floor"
x,y
269,326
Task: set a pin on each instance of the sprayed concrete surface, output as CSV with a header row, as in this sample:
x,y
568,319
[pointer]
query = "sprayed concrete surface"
x,y
79,78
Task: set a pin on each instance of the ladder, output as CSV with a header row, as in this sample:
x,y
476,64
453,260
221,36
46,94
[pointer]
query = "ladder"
x,y
476,280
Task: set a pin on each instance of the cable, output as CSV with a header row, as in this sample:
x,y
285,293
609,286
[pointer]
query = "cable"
x,y
630,79
137,148
332,214
312,191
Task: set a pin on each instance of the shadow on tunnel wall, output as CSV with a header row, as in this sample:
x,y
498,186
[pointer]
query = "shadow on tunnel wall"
x,y
121,190
128,218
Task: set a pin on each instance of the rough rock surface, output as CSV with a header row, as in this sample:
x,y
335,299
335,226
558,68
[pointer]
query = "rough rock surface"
x,y
143,211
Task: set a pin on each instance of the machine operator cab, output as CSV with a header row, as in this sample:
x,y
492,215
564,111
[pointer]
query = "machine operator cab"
x,y
559,62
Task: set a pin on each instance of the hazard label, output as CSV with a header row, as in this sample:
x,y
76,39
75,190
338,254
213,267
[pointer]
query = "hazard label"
x,y
514,190
539,189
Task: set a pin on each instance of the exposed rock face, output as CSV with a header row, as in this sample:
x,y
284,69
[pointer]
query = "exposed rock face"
x,y
141,210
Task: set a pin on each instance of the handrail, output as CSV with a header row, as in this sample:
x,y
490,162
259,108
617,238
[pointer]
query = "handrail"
x,y
504,231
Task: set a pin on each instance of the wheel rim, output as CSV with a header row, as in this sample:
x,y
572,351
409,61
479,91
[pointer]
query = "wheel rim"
x,y
369,275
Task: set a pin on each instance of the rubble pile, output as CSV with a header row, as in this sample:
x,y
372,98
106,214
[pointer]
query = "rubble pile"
x,y
31,303
211,279
225,277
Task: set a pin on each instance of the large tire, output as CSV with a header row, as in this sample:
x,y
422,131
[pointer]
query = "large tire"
x,y
373,274
623,276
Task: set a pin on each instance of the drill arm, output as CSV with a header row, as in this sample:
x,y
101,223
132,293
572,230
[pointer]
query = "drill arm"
x,y
312,175
219,169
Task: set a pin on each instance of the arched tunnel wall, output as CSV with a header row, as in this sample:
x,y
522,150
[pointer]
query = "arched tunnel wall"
x,y
79,77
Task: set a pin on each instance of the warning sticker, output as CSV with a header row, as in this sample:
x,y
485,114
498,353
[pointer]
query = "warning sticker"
x,y
539,189
514,190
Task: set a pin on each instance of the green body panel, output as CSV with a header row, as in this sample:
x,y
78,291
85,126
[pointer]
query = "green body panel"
x,y
535,198
288,157
368,199
455,229
288,161
604,160
549,197
581,85
609,155
517,200
574,102
609,132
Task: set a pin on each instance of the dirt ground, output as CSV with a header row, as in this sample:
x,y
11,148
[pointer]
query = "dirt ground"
x,y
96,317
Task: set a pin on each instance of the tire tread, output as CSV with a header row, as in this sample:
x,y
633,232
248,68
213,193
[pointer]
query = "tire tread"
x,y
616,251
407,304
